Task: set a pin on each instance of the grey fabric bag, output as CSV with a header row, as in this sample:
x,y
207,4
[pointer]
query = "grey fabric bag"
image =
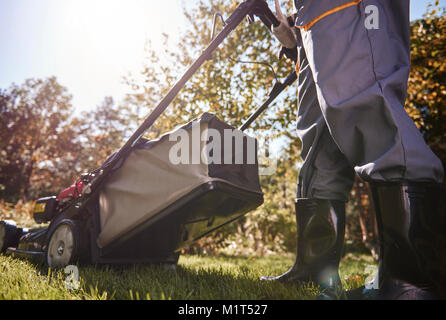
x,y
147,182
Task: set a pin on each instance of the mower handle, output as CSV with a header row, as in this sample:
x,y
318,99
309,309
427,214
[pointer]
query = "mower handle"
x,y
248,8
277,89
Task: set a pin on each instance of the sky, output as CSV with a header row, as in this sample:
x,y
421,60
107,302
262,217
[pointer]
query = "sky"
x,y
89,45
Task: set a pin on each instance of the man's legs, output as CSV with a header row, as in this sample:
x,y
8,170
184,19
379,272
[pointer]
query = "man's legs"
x,y
325,181
361,80
326,173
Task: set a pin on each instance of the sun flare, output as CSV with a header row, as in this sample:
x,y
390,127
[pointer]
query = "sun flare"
x,y
99,39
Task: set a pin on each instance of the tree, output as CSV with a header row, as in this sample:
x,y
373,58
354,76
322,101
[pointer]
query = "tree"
x,y
35,138
44,147
426,97
224,86
102,131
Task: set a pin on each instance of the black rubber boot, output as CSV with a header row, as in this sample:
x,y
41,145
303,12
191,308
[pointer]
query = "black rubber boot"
x,y
412,230
320,240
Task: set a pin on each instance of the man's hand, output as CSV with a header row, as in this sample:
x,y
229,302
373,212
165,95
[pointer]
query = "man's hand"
x,y
285,31
287,52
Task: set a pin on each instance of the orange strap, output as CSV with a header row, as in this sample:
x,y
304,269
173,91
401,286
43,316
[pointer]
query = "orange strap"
x,y
339,8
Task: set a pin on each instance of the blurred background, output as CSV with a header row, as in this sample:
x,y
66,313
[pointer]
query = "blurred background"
x,y
77,77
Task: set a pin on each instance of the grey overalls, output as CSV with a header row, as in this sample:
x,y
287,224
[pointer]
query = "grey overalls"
x,y
352,88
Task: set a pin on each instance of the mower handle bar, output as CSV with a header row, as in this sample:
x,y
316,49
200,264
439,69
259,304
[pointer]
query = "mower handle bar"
x,y
248,8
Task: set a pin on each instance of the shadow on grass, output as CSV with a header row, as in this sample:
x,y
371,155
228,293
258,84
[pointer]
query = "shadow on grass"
x,y
195,278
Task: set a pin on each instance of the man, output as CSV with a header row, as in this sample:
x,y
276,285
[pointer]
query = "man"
x,y
352,78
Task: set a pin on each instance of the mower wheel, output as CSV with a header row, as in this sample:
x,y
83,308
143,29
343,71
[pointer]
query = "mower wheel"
x,y
64,244
9,235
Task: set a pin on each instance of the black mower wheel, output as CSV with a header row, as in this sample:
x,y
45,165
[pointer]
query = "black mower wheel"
x,y
65,244
9,235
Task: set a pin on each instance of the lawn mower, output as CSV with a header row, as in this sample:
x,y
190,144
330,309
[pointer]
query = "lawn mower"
x,y
139,207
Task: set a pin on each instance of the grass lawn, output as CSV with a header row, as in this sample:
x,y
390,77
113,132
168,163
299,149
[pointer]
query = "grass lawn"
x,y
196,277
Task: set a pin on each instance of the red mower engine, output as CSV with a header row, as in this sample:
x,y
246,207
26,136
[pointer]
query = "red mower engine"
x,y
46,208
72,192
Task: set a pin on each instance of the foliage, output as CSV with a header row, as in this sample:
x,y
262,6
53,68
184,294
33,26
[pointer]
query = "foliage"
x,y
361,227
426,98
20,212
36,141
43,147
102,131
223,86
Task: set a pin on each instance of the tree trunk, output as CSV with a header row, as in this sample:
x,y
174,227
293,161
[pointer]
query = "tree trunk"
x,y
367,217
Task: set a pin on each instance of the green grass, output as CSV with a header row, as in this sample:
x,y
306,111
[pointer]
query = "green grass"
x,y
196,277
